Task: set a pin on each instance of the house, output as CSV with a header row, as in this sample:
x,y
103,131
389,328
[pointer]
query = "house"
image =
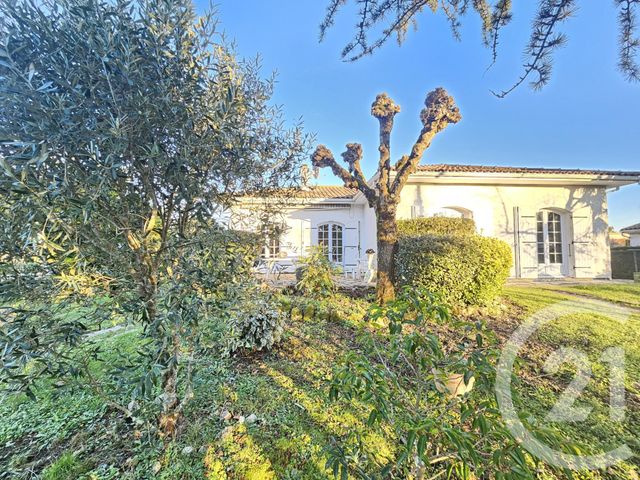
x,y
555,220
617,239
633,233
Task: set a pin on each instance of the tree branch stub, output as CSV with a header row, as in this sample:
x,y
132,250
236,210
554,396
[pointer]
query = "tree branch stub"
x,y
384,109
354,178
440,111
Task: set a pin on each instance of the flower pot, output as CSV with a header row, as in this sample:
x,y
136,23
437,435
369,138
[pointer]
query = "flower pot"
x,y
453,384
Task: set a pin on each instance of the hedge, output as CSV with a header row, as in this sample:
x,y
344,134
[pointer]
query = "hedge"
x,y
463,270
416,227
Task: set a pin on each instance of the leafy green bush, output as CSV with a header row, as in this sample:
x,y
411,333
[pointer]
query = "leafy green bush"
x,y
433,392
315,275
416,227
256,322
462,270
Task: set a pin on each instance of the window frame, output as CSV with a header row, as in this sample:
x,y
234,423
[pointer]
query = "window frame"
x,y
330,237
549,238
271,244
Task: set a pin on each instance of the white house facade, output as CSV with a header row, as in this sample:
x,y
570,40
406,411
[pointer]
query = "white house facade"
x,y
555,220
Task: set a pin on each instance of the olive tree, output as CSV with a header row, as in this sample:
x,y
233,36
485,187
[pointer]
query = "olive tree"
x,y
125,128
384,194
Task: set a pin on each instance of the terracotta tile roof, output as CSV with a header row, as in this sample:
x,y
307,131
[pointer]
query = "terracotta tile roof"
x,y
631,227
325,191
453,168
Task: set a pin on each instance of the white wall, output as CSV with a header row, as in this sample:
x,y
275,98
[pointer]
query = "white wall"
x,y
301,228
634,240
492,206
504,212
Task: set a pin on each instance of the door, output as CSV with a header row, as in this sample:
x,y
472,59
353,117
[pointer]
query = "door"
x,y
331,238
551,245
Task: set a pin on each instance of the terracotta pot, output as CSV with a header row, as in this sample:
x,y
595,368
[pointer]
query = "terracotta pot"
x,y
453,384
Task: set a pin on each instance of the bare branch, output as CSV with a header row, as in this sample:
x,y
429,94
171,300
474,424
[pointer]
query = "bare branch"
x,y
322,157
440,111
384,109
352,157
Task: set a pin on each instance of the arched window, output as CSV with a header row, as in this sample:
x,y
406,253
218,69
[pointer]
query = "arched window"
x,y
452,212
330,237
549,238
271,247
271,235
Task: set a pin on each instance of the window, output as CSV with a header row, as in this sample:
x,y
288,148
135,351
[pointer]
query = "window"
x,y
330,238
540,237
549,237
450,212
555,237
271,247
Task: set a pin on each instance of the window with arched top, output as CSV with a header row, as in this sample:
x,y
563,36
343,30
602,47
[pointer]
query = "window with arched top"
x,y
330,238
549,238
270,243
452,212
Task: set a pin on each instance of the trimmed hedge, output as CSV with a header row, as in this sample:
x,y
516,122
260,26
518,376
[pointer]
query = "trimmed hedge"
x,y
463,270
416,227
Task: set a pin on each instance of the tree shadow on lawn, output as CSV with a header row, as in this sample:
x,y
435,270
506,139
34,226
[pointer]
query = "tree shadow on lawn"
x,y
288,390
537,391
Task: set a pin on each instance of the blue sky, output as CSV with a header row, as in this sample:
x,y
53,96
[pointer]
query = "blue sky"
x,y
587,117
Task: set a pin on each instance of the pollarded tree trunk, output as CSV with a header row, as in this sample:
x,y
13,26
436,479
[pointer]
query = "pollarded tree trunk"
x,y
387,233
383,196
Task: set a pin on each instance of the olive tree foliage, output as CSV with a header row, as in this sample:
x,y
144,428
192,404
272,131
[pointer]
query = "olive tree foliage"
x,y
383,193
379,20
125,128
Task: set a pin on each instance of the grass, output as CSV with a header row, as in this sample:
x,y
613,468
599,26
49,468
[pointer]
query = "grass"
x,y
286,390
623,293
591,334
67,467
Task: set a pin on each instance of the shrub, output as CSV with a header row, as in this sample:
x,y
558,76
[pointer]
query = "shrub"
x,y
398,377
416,227
315,275
462,270
256,322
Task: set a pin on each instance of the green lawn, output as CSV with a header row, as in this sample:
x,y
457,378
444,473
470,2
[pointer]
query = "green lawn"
x,y
592,334
623,293
76,437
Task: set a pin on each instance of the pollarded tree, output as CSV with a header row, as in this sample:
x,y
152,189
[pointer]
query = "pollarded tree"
x,y
384,195
383,19
124,128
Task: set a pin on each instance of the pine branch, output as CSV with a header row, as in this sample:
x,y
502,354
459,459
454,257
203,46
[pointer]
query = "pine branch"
x,y
629,42
543,42
332,11
500,18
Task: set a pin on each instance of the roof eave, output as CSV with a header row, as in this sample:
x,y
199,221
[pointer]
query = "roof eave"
x,y
524,178
293,201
